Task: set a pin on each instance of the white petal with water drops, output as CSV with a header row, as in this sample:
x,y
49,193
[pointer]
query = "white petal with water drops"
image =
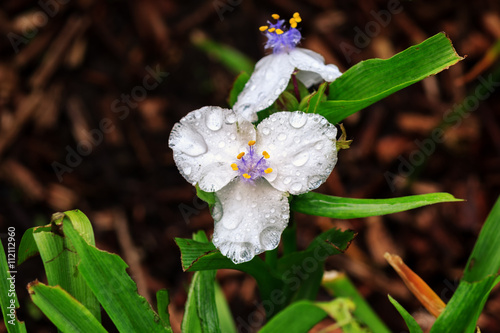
x,y
251,225
312,68
302,165
268,81
198,152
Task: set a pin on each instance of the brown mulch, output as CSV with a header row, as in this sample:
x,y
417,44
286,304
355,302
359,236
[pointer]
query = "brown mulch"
x,y
89,91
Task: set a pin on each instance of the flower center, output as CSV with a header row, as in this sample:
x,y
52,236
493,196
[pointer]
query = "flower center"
x,y
251,165
279,38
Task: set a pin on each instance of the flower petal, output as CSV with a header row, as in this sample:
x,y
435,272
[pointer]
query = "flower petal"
x,y
249,219
205,143
312,67
268,81
301,147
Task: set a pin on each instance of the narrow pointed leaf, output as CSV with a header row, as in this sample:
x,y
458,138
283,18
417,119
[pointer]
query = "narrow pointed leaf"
x,y
116,291
63,310
409,320
162,301
299,317
27,247
60,262
348,208
369,81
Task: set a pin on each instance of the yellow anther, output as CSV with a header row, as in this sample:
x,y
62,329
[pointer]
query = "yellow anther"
x,y
279,31
234,166
293,23
268,170
265,154
247,176
251,142
272,29
263,28
275,16
240,155
297,17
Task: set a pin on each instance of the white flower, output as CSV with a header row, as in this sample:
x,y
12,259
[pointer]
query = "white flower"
x,y
272,73
252,170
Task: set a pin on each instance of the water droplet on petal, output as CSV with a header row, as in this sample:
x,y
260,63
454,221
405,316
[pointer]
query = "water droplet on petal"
x,y
217,211
330,132
191,143
282,136
214,119
266,131
319,145
277,92
300,159
296,187
287,180
314,182
270,238
296,139
187,170
222,144
298,119
231,118
243,252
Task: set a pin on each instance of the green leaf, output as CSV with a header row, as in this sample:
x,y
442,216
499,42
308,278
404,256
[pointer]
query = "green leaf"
x,y
226,321
339,285
302,271
316,99
347,208
116,291
60,261
480,276
369,81
191,321
463,310
409,320
287,102
208,197
238,85
232,59
204,291
27,247
8,296
485,257
340,309
299,317
64,311
200,256
162,301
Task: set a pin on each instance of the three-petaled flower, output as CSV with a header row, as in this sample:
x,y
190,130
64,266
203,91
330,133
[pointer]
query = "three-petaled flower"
x,y
252,170
272,73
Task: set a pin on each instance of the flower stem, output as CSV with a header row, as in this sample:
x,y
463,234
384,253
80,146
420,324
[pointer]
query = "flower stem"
x,y
295,87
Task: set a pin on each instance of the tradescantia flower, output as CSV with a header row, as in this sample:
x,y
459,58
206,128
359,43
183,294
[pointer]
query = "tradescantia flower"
x,y
272,73
252,170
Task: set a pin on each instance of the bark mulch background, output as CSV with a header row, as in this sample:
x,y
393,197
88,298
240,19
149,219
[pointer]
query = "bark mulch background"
x,y
89,91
